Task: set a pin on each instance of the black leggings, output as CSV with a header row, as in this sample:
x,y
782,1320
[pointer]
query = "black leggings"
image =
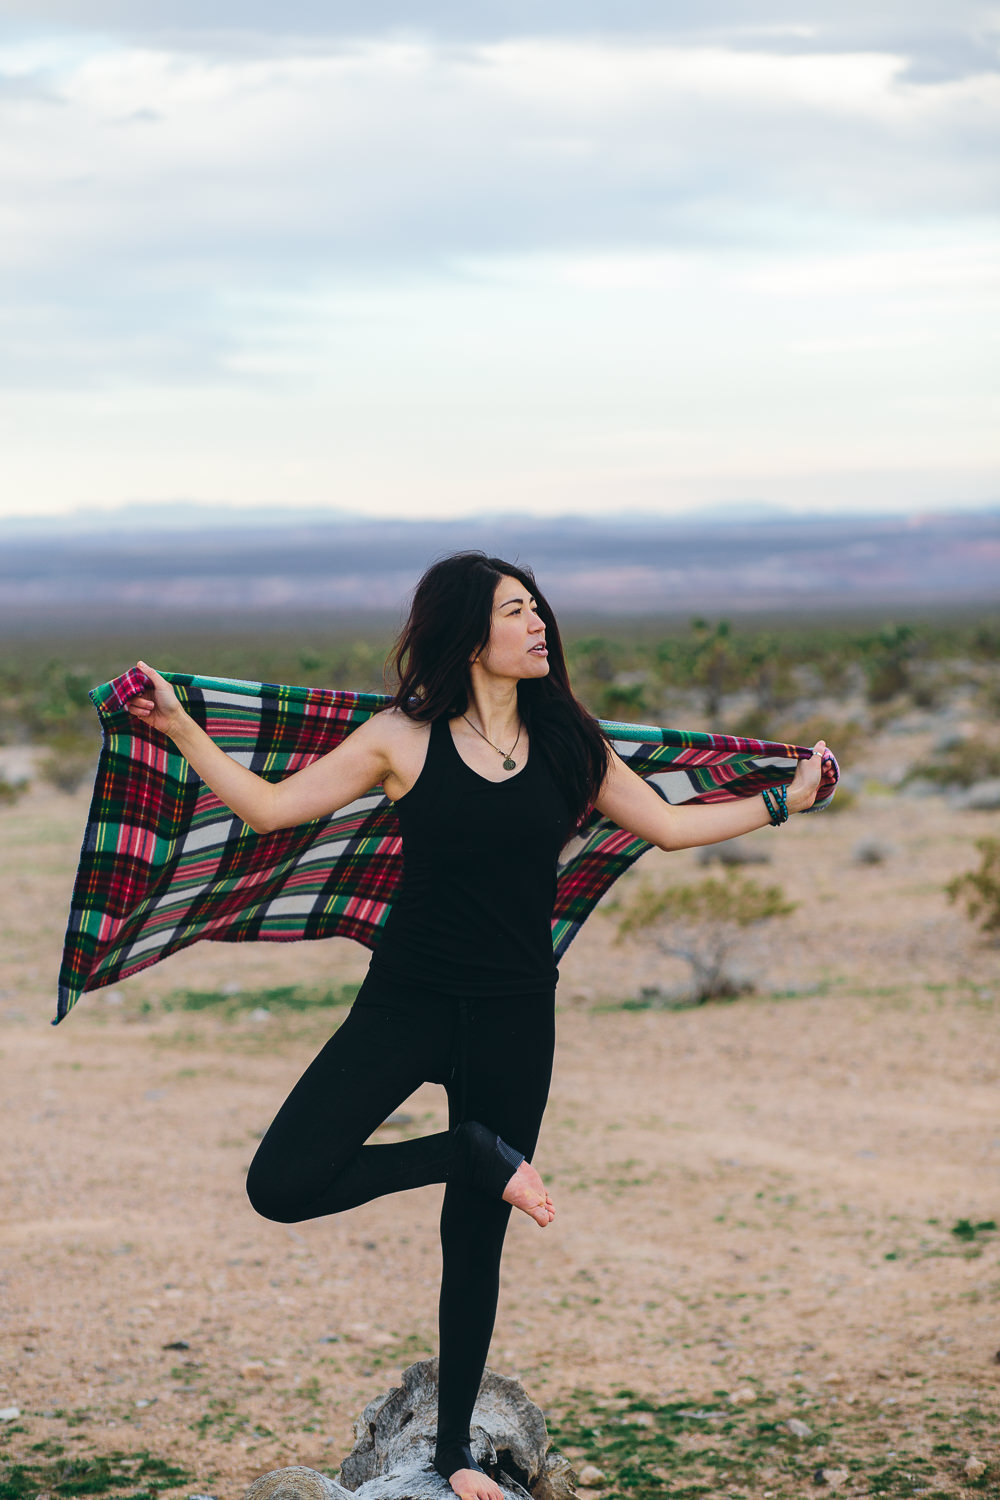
x,y
494,1057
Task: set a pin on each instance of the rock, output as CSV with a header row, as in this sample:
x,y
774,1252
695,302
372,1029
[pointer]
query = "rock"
x,y
983,796
733,852
744,1395
394,1438
871,852
254,1369
973,1468
295,1484
8,1413
920,786
833,1477
260,1013
798,1428
558,1482
394,1445
590,1476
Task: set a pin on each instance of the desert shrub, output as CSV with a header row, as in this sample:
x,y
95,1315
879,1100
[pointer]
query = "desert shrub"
x,y
844,800
705,923
980,889
625,702
716,666
960,763
11,791
71,760
887,658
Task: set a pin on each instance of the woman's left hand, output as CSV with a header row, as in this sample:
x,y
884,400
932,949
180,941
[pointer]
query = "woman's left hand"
x,y
805,784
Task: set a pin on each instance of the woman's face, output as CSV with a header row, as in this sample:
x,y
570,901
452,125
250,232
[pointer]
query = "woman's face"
x,y
516,647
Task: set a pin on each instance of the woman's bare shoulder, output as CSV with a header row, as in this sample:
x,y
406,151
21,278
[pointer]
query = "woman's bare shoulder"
x,y
393,731
402,744
393,721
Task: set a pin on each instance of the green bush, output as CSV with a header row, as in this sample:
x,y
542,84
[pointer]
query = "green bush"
x,y
71,760
11,791
963,764
980,889
705,923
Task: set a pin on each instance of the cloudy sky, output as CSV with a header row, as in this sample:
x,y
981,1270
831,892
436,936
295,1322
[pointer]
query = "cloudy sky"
x,y
437,259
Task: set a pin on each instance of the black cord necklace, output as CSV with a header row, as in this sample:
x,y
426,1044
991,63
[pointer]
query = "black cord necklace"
x,y
509,763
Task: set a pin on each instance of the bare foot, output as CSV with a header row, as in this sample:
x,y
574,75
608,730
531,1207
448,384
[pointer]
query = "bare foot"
x,y
526,1191
470,1484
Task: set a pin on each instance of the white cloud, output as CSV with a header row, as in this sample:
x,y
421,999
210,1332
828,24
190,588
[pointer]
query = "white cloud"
x,y
540,268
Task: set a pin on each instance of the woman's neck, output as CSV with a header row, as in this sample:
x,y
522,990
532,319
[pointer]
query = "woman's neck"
x,y
493,707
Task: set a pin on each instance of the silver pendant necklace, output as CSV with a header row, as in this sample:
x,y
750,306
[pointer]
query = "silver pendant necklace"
x,y
509,763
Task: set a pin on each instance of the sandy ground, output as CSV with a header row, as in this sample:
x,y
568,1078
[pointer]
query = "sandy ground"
x,y
754,1198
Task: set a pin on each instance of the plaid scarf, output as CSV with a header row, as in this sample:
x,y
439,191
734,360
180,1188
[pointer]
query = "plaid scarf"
x,y
165,863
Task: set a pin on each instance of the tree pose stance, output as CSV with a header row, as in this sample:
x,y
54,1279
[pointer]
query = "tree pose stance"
x,y
491,763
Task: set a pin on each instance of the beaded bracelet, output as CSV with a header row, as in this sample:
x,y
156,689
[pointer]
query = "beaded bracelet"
x,y
776,802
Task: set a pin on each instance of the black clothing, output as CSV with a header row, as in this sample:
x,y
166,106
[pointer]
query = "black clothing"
x,y
494,1057
461,991
473,913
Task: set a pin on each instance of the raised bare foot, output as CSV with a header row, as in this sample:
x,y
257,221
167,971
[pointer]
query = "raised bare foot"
x,y
526,1191
472,1484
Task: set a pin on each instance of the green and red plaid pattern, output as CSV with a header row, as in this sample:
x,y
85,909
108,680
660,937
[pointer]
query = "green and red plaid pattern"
x,y
165,863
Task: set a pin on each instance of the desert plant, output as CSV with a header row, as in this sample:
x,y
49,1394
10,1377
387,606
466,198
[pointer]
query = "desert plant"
x,y
704,923
887,658
715,667
980,889
962,763
70,761
11,791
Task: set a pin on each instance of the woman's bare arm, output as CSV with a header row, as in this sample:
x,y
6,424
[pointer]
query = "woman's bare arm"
x,y
358,763
631,803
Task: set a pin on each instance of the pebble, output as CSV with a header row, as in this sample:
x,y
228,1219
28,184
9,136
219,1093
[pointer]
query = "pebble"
x,y
973,1467
744,1395
8,1413
260,1013
833,1477
984,796
798,1428
255,1369
590,1475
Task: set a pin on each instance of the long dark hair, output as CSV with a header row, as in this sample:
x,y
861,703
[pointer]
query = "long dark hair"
x,y
449,622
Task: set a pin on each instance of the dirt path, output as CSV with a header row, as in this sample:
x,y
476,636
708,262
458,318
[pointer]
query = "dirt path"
x,y
757,1202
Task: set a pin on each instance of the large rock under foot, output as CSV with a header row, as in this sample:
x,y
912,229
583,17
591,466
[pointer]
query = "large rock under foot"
x,y
394,1445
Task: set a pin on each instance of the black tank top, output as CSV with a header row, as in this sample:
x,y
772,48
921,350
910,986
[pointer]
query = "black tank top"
x,y
473,912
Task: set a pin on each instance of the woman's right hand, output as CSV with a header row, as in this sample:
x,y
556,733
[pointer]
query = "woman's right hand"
x,y
162,710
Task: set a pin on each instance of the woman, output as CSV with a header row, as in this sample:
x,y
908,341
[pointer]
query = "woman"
x,y
491,763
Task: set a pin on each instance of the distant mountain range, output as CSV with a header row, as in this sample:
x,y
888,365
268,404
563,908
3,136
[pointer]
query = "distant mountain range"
x,y
169,563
